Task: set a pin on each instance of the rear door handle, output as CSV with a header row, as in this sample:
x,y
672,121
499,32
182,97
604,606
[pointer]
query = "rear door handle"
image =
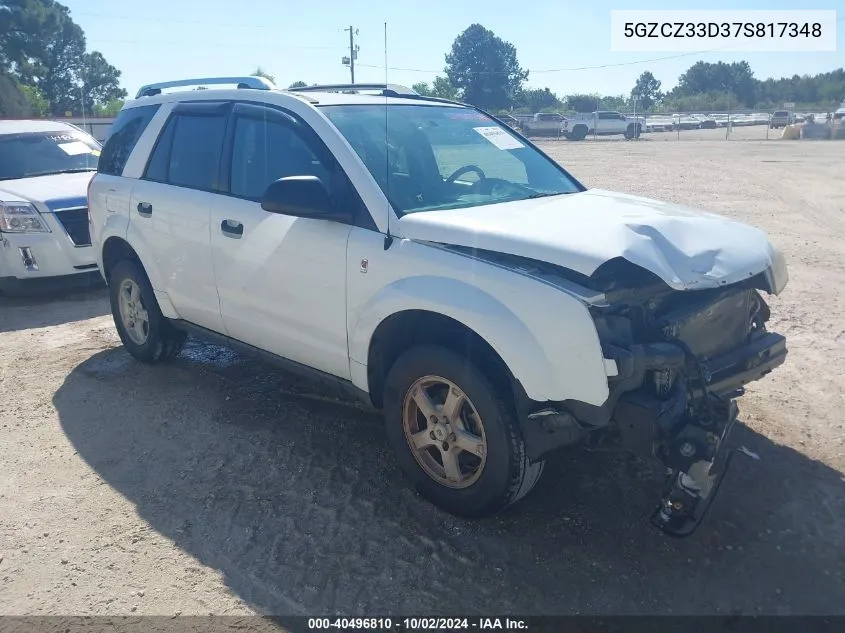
x,y
232,228
145,209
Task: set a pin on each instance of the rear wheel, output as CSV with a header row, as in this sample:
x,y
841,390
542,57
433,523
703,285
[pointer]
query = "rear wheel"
x,y
144,331
455,436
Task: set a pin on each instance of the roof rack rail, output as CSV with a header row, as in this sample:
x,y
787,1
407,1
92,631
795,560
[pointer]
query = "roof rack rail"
x,y
387,90
255,83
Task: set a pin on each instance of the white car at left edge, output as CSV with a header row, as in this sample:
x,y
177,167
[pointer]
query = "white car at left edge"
x,y
45,241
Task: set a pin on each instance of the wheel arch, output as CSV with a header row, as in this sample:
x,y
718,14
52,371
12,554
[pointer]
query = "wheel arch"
x,y
114,249
548,344
391,339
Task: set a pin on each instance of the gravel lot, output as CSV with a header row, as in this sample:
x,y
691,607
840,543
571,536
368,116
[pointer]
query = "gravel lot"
x,y
219,485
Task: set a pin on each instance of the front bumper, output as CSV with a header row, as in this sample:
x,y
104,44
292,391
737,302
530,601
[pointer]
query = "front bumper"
x,y
686,429
32,256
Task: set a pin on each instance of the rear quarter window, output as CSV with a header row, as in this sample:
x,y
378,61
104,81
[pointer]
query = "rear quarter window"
x,y
125,132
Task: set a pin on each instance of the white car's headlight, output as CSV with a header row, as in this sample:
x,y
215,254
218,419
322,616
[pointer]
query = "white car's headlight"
x,y
21,217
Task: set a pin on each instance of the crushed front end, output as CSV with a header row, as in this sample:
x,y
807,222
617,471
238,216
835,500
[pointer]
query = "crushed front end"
x,y
683,359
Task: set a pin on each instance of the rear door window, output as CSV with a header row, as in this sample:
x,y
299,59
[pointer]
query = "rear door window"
x,y
188,151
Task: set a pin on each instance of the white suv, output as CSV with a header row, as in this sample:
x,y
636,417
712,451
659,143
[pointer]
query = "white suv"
x,y
45,168
428,258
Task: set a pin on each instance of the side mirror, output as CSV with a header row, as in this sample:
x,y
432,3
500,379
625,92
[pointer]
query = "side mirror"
x,y
303,197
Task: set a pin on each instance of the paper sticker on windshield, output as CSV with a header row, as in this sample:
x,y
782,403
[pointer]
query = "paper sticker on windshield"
x,y
75,148
499,137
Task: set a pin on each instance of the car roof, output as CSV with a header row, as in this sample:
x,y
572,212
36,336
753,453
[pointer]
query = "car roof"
x,y
22,126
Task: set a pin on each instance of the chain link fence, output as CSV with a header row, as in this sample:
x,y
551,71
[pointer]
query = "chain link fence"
x,y
678,126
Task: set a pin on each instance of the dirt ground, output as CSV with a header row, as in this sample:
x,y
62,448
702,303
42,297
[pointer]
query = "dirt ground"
x,y
219,485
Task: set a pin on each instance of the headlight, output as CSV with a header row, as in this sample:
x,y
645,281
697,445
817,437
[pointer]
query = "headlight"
x,y
778,272
21,217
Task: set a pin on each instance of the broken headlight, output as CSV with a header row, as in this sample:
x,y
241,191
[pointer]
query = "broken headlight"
x,y
21,217
777,273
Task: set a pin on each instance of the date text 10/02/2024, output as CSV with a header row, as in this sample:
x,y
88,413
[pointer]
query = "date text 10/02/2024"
x,y
417,624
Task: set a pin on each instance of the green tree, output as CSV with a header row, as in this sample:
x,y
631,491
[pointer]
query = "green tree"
x,y
13,101
100,81
582,103
259,72
441,88
38,104
705,101
297,84
109,109
484,68
735,78
22,26
647,90
41,46
538,100
618,102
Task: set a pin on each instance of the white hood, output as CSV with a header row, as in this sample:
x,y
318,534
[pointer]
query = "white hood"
x,y
686,248
46,188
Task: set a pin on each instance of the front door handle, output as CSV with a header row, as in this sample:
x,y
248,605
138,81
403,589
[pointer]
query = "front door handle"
x,y
232,228
145,209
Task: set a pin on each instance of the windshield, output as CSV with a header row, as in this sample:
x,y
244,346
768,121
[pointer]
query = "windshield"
x,y
30,154
427,157
781,113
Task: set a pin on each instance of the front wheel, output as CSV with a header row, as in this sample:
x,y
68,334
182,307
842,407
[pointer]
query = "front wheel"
x,y
454,434
142,328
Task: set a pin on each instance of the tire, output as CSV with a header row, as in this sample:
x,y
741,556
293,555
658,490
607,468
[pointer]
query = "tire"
x,y
504,474
579,133
633,131
162,341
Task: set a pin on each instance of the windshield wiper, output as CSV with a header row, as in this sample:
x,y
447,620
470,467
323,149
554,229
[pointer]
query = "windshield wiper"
x,y
546,194
70,171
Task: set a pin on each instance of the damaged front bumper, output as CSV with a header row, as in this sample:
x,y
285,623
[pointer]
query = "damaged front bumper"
x,y
689,429
674,396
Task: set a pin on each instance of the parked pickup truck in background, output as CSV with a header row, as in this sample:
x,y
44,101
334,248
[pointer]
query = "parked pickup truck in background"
x,y
542,124
603,124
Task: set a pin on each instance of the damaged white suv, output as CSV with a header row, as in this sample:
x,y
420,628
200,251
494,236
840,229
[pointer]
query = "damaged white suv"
x,y
431,260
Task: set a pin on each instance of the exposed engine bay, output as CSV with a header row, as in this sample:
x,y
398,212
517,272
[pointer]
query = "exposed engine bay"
x,y
686,358
683,357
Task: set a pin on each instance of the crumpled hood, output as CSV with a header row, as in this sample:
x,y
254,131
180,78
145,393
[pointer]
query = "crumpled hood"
x,y
46,189
686,248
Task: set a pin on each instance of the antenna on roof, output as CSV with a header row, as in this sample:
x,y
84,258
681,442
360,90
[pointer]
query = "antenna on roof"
x,y
388,239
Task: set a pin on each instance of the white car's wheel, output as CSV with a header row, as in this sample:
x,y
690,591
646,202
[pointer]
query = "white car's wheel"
x,y
144,331
454,435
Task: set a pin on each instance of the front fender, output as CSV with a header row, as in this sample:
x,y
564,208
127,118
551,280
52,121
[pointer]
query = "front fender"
x,y
548,342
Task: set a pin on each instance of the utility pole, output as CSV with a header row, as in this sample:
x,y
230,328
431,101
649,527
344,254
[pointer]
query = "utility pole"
x,y
353,52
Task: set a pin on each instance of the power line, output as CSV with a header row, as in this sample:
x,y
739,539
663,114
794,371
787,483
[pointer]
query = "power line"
x,y
558,70
107,16
215,44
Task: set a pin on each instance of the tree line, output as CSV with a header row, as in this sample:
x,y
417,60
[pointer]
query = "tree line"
x,y
482,69
45,66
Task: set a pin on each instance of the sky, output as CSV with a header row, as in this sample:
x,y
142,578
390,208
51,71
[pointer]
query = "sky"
x,y
161,40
